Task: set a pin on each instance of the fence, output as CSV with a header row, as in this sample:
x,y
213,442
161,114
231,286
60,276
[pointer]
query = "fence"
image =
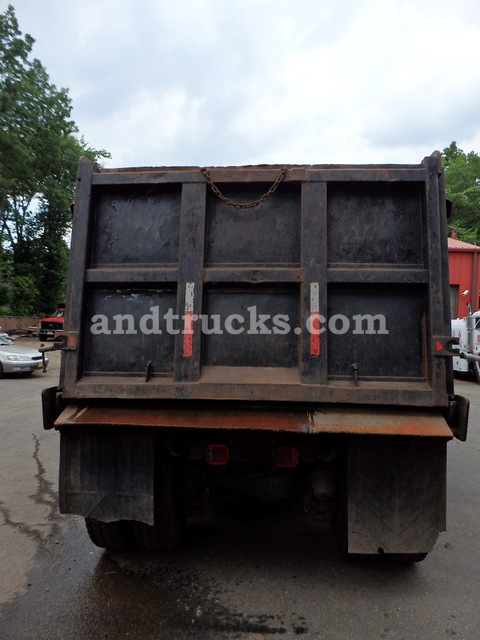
x,y
13,324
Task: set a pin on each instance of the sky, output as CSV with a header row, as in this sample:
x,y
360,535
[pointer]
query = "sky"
x,y
233,82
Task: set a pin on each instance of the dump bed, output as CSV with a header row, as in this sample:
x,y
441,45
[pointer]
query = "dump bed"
x,y
332,289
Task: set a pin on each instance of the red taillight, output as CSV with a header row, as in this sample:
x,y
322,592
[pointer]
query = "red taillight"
x,y
286,457
216,454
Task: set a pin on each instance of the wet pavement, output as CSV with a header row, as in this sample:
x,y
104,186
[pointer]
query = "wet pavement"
x,y
241,573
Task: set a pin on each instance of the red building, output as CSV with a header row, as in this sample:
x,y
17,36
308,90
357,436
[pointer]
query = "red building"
x,y
464,268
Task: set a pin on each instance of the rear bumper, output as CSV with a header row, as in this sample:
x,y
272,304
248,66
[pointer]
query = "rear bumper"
x,y
324,419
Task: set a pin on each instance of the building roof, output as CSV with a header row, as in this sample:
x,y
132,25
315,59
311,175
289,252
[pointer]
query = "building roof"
x,y
462,247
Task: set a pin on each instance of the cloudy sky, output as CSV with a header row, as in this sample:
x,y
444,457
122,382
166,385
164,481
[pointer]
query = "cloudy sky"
x,y
220,82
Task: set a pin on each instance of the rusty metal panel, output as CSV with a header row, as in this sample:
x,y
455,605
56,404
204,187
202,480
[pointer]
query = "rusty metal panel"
x,y
328,290
332,420
379,421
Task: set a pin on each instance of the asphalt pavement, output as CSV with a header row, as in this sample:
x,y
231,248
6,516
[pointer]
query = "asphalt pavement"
x,y
243,574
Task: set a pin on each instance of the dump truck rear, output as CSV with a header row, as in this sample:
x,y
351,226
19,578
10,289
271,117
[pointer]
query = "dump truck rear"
x,y
281,331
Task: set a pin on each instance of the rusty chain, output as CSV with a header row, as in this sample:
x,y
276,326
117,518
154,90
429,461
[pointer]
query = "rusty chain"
x,y
240,205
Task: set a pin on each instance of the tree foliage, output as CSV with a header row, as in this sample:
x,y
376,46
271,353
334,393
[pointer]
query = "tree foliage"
x,y
39,151
462,187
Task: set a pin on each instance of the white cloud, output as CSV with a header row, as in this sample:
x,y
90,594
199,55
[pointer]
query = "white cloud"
x,y
160,119
240,81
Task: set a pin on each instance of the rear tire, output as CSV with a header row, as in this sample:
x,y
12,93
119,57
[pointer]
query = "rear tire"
x,y
148,537
110,535
165,534
340,519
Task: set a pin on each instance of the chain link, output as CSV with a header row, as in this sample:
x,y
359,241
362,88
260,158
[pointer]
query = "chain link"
x,y
240,205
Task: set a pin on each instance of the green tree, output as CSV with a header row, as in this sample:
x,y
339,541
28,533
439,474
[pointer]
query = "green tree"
x,y
462,187
39,152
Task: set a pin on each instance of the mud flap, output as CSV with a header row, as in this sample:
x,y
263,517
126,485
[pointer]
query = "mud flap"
x,y
396,496
457,417
107,474
52,406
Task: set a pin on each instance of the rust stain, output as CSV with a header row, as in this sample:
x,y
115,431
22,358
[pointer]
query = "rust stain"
x,y
381,422
334,420
201,418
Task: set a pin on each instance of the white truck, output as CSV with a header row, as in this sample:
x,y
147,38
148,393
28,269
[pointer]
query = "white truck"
x,y
467,330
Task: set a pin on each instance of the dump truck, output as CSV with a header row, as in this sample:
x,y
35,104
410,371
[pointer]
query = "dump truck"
x,y
281,332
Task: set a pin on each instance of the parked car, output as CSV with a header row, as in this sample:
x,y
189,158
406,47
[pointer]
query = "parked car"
x,y
53,325
16,358
6,335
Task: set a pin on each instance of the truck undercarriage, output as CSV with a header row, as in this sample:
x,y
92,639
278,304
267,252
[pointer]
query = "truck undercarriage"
x,y
383,493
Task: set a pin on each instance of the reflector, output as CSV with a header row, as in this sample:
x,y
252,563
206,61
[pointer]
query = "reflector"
x,y
286,457
216,454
